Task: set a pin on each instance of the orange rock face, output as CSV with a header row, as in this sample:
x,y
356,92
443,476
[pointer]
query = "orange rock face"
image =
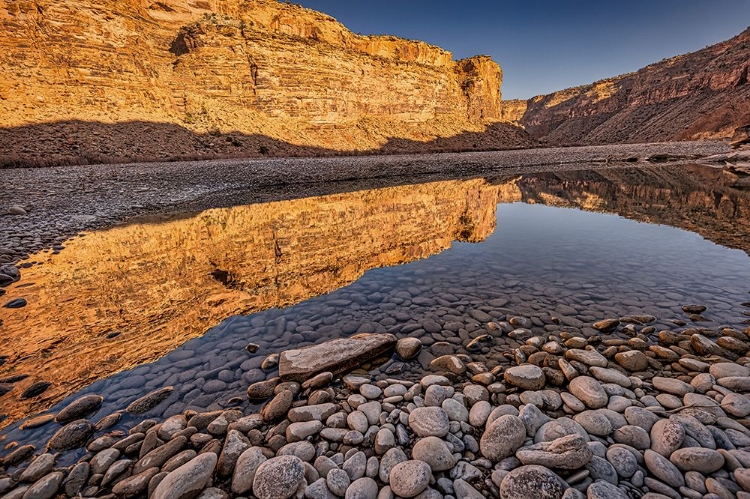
x,y
214,67
701,95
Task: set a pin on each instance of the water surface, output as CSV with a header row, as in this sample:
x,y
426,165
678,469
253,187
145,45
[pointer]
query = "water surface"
x,y
428,260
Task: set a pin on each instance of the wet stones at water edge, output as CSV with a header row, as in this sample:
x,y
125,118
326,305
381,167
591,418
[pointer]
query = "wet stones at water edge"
x,y
35,389
8,275
581,416
71,436
79,408
148,402
335,356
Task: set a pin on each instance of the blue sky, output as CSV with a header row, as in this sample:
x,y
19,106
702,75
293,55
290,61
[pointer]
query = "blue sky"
x,y
546,45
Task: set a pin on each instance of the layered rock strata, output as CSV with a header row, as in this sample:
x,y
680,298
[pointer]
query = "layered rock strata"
x,y
99,82
704,94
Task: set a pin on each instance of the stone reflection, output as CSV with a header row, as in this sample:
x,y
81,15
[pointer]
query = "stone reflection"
x,y
118,298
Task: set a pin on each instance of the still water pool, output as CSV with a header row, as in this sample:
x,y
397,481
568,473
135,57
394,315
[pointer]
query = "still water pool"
x,y
436,261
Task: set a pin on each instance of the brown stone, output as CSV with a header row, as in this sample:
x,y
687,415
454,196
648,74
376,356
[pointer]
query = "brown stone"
x,y
607,324
160,455
336,356
71,436
632,360
408,348
278,406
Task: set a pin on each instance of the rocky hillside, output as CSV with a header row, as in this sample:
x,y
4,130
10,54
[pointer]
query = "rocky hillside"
x,y
132,79
704,94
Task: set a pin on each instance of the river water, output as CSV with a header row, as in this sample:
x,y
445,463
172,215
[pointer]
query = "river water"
x,y
436,261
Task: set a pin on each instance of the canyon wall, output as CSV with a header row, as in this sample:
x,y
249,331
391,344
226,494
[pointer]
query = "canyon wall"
x,y
701,95
227,77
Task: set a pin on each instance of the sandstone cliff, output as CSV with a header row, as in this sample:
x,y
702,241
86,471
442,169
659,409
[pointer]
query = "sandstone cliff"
x,y
704,94
225,77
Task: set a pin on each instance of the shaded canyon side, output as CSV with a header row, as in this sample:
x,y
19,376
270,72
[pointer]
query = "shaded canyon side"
x,y
225,78
700,95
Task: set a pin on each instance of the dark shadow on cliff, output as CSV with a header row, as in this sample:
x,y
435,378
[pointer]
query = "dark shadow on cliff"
x,y
87,142
495,136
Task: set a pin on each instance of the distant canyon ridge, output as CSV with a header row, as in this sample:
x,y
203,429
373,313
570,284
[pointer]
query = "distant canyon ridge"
x,y
141,80
700,95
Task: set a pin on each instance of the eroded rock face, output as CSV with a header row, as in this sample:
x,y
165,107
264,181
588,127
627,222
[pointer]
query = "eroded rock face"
x,y
228,65
336,356
708,90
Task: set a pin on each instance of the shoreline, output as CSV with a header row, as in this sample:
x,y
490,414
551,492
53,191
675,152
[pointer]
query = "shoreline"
x,y
192,201
60,202
595,415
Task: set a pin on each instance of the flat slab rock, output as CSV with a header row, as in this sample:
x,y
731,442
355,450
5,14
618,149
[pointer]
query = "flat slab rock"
x,y
336,356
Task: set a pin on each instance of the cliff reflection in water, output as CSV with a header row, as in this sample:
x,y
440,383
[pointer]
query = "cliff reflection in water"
x,y
118,298
702,199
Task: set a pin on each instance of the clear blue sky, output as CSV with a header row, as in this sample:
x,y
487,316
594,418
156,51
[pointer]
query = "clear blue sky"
x,y
548,45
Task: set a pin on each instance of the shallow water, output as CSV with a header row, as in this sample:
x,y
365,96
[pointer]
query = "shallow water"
x,y
562,267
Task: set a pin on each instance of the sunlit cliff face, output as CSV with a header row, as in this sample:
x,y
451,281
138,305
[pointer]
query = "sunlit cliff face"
x,y
261,72
700,95
118,298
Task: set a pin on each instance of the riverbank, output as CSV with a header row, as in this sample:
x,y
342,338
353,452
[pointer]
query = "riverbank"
x,y
57,203
480,397
610,410
103,298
